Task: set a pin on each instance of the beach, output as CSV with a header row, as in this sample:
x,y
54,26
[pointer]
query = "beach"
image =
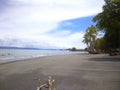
x,y
71,72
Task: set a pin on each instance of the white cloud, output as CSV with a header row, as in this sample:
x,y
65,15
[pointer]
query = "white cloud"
x,y
30,21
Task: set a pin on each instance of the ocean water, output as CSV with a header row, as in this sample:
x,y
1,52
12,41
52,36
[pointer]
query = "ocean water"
x,y
9,55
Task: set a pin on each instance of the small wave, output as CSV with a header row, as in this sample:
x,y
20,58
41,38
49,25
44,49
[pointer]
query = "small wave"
x,y
15,55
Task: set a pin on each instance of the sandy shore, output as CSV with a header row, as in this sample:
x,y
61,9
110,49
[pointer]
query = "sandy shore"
x,y
71,72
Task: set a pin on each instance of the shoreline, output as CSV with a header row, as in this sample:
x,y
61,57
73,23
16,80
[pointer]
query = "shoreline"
x,y
22,59
71,72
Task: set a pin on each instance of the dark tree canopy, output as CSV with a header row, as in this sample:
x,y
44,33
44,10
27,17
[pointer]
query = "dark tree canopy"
x,y
109,21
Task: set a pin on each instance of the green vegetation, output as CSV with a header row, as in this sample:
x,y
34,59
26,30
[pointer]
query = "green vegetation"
x,y
75,49
107,21
90,37
100,45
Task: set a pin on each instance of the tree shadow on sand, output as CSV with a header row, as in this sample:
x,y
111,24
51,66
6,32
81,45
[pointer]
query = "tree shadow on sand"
x,y
103,59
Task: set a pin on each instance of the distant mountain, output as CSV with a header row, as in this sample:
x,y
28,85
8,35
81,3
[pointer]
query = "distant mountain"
x,y
16,48
29,48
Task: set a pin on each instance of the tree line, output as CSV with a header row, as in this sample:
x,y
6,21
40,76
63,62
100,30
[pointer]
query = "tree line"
x,y
108,21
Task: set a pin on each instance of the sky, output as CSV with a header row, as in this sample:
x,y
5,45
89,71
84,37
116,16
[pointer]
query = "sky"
x,y
47,24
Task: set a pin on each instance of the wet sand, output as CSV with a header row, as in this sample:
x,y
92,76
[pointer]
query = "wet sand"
x,y
71,72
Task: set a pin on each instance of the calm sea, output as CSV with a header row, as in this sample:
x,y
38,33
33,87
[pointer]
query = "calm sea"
x,y
9,55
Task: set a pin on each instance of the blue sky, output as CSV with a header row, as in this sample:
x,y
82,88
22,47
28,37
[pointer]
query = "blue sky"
x,y
46,23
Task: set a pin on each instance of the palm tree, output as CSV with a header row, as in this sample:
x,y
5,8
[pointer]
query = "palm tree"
x,y
90,37
86,39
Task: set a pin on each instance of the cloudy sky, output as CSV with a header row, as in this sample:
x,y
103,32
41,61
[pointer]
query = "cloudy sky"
x,y
46,23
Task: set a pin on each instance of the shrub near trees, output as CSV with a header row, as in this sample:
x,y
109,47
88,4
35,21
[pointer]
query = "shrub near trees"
x,y
100,45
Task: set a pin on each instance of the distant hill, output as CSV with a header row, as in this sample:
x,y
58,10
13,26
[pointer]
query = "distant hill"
x,y
16,48
28,48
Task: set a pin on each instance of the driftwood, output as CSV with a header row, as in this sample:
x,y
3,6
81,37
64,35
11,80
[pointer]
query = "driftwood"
x,y
49,84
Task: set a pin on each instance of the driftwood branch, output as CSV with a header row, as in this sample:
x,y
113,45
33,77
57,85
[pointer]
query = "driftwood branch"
x,y
49,84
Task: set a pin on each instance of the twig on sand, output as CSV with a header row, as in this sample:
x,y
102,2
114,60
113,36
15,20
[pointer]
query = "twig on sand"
x,y
49,84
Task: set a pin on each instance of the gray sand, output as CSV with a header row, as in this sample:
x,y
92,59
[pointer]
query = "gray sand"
x,y
71,72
